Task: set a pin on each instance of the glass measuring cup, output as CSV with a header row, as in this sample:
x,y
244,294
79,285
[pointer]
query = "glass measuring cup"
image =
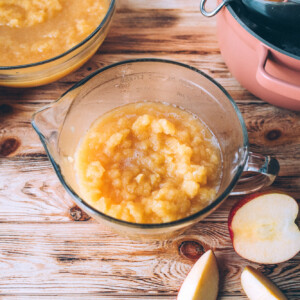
x,y
62,124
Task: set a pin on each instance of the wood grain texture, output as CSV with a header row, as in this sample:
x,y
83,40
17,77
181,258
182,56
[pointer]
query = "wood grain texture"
x,y
50,250
103,263
36,195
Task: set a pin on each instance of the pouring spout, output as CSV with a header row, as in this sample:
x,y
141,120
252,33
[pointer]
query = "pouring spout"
x,y
48,121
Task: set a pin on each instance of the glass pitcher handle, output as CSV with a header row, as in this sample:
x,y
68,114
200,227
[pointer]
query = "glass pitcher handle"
x,y
260,171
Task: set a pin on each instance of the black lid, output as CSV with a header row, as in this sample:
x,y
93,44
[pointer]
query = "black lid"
x,y
282,39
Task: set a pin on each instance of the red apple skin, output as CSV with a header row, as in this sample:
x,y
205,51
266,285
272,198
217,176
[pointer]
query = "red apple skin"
x,y
241,203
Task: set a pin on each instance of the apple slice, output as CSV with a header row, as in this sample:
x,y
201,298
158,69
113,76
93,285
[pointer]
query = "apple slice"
x,y
202,282
262,228
257,286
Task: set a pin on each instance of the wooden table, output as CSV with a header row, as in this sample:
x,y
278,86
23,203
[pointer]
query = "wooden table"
x,y
50,249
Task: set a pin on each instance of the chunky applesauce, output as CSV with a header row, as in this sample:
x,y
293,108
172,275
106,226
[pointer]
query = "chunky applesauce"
x,y
148,163
36,30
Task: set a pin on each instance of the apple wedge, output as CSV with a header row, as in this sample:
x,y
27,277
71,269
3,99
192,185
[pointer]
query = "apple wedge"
x,y
262,228
257,286
202,282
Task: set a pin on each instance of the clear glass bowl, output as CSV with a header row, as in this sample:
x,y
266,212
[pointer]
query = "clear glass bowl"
x,y
52,69
61,126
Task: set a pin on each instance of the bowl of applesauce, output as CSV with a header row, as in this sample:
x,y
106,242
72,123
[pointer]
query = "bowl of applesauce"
x,y
149,147
42,41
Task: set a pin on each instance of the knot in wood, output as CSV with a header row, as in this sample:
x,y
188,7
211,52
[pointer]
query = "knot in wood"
x,y
191,249
273,134
5,109
78,215
8,146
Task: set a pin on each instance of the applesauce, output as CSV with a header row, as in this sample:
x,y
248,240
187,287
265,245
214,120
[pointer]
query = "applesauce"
x,y
148,163
36,30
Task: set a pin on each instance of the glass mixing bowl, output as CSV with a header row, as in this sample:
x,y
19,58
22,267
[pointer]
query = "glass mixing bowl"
x,y
62,124
52,69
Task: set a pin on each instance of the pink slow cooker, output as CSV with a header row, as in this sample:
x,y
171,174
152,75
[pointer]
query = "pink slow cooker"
x,y
264,59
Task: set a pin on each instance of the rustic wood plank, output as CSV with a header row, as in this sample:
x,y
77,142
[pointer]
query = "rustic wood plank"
x,y
89,296
180,5
30,191
86,258
271,131
45,254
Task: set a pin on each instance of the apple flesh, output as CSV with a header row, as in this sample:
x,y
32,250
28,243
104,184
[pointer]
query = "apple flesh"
x,y
257,286
202,282
262,228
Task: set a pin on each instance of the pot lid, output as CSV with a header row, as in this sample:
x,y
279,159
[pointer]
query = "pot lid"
x,y
283,40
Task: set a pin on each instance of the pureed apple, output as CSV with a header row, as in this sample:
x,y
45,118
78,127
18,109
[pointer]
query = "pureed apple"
x,y
35,30
148,163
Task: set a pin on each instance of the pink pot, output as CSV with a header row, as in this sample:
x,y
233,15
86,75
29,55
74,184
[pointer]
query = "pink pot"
x,y
267,71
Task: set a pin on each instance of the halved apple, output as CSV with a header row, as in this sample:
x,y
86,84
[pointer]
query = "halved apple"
x,y
262,227
257,286
202,282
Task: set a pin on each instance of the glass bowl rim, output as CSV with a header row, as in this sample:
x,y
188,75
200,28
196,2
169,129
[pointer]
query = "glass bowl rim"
x,y
57,57
92,211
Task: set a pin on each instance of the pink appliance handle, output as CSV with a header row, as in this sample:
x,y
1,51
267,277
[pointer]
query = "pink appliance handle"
x,y
272,83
